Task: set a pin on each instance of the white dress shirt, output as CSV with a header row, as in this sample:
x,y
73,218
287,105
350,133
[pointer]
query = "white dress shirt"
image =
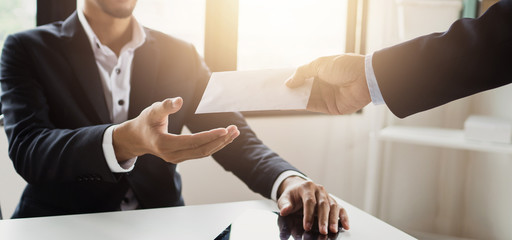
x,y
115,74
371,80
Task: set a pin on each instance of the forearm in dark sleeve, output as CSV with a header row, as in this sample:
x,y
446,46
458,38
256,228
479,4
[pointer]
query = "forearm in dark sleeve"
x,y
41,152
472,56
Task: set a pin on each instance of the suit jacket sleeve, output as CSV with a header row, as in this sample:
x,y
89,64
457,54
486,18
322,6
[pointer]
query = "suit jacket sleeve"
x,y
246,157
472,56
40,151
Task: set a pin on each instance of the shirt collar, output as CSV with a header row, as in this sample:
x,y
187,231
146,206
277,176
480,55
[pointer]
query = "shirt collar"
x,y
138,34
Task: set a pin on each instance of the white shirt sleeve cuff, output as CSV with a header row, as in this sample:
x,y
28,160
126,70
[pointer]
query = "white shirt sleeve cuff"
x,y
280,180
371,80
110,155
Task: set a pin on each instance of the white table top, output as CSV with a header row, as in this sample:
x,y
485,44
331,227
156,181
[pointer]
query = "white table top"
x,y
189,222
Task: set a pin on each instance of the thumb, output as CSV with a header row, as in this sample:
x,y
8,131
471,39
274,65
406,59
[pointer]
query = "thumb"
x,y
285,205
301,74
167,107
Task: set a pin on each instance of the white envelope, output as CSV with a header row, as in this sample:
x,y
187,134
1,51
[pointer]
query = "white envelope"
x,y
256,90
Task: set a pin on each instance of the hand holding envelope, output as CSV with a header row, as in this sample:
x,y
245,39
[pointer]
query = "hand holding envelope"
x,y
255,90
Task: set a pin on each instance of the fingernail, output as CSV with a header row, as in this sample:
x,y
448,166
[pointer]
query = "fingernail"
x,y
309,225
224,133
324,228
334,228
173,102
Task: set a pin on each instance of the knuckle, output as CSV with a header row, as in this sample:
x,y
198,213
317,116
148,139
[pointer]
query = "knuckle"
x,y
310,201
196,146
154,106
204,152
323,204
200,152
309,184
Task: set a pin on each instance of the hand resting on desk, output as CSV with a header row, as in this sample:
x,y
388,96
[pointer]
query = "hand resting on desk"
x,y
296,193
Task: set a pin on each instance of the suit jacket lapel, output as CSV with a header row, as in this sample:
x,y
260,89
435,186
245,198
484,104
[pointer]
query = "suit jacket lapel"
x,y
144,76
81,58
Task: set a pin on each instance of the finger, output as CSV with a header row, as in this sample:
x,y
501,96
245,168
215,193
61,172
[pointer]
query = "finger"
x,y
289,202
309,204
166,107
323,209
344,219
230,137
191,141
200,151
334,215
284,203
302,73
316,101
328,93
232,129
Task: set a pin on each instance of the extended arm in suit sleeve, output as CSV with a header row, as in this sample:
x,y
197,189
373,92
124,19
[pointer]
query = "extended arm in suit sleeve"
x,y
472,56
247,157
40,151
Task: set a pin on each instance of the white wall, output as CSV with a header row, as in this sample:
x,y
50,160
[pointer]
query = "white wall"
x,y
488,190
11,184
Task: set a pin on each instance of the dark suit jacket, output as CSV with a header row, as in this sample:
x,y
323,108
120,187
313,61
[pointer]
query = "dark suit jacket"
x,y
474,55
55,117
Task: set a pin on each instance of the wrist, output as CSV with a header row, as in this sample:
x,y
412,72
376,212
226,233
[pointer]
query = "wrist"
x,y
289,181
124,140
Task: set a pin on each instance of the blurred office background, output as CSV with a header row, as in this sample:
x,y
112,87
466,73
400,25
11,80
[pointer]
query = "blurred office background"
x,y
431,192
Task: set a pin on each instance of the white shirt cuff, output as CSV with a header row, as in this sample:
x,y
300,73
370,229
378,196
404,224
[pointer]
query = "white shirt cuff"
x,y
280,180
371,80
110,155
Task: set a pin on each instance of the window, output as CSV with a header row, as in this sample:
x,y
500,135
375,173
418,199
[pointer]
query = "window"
x,y
15,16
248,34
288,33
181,19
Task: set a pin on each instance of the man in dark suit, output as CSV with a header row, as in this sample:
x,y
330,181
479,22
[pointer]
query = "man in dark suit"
x,y
474,55
88,132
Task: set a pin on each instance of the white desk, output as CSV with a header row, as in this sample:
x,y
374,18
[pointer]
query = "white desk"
x,y
190,222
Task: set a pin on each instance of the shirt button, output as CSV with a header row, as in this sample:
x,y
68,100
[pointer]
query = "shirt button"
x,y
118,70
120,102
